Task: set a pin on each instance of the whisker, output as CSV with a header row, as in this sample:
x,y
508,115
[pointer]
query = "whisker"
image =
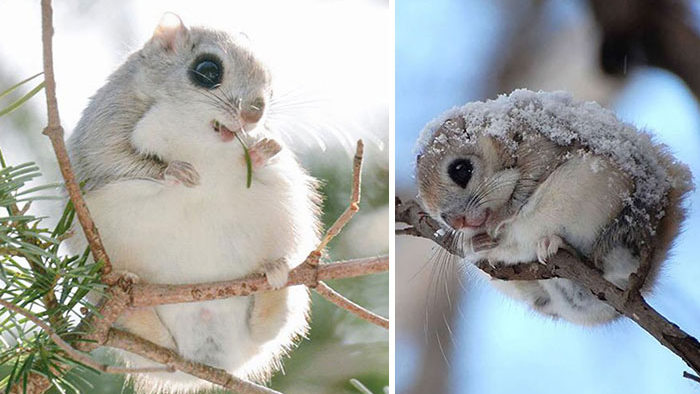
x,y
444,355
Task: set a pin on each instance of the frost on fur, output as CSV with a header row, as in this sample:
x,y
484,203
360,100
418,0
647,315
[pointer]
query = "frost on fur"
x,y
520,176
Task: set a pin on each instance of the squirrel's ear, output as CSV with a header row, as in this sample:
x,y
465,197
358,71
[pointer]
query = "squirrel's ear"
x,y
170,32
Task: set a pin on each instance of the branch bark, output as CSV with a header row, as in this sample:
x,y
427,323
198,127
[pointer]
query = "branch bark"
x,y
137,345
333,296
153,294
54,131
73,353
629,303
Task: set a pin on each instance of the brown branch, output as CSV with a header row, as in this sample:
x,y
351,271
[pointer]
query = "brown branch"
x,y
137,345
155,294
73,353
354,205
690,376
95,327
54,131
333,296
564,265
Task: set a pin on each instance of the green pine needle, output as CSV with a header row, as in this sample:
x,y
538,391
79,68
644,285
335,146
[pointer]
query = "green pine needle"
x,y
18,84
248,162
22,100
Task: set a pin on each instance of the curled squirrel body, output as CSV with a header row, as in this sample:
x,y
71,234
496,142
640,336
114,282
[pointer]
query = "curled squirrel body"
x,y
519,177
165,182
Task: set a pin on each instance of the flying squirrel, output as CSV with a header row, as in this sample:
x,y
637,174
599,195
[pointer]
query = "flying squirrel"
x,y
165,182
521,176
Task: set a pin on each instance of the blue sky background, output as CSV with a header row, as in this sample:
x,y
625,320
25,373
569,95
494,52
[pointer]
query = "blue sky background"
x,y
444,53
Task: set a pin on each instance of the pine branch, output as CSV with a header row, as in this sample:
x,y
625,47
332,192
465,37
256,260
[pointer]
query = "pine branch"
x,y
629,303
73,353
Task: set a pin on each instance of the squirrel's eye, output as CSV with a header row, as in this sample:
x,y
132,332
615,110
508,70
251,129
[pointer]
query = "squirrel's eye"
x,y
460,171
206,72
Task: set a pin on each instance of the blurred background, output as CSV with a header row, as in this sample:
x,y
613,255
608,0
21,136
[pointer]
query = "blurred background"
x,y
454,333
335,79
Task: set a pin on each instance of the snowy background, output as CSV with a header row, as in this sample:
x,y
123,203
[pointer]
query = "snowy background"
x,y
449,52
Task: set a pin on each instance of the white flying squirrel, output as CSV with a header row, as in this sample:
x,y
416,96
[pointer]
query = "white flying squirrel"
x,y
519,176
165,182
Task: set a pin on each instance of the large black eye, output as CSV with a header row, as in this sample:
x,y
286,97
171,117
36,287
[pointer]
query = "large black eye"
x,y
206,72
460,171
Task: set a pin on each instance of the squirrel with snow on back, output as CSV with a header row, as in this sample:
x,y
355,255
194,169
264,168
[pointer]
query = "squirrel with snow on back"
x,y
166,186
518,177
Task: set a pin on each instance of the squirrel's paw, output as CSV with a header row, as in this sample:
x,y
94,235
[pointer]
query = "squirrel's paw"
x,y
277,273
263,151
181,172
547,247
499,224
482,242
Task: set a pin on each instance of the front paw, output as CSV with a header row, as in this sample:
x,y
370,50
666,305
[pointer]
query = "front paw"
x,y
181,172
263,151
277,273
498,222
548,247
482,242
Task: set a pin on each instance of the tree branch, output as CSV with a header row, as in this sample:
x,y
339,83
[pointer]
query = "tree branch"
x,y
137,345
563,265
73,353
54,131
354,205
154,294
333,296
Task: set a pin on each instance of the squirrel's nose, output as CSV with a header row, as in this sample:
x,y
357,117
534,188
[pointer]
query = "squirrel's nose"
x,y
252,112
455,221
251,115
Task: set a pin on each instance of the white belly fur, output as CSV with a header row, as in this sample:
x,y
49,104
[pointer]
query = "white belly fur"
x,y
575,202
215,231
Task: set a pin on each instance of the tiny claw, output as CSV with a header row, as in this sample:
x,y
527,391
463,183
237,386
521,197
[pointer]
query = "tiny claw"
x,y
180,172
482,242
547,247
263,151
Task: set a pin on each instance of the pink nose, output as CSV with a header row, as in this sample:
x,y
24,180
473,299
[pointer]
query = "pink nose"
x,y
455,221
251,115
460,221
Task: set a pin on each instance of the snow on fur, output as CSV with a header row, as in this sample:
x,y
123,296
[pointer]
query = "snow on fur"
x,y
566,122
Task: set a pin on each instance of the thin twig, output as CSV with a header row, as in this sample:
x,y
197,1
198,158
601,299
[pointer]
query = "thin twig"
x,y
354,205
137,345
54,131
73,353
564,265
333,296
690,376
